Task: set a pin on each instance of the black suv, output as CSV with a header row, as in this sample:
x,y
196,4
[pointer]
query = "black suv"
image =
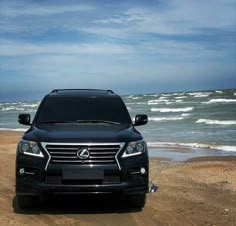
x,y
82,142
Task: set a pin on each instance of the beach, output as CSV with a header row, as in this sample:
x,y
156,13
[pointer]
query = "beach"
x,y
197,191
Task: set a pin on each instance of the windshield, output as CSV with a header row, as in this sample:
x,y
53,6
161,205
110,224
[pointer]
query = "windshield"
x,y
83,109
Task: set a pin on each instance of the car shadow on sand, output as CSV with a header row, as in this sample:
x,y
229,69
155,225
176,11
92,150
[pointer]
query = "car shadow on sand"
x,y
74,204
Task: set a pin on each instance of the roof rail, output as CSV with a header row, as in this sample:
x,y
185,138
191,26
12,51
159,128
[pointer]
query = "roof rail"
x,y
57,90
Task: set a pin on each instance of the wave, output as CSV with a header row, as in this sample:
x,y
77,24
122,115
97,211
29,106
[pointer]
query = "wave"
x,y
151,95
216,122
185,115
211,146
134,103
16,129
136,98
30,105
201,95
220,101
12,108
228,148
183,97
173,109
219,91
158,101
177,94
166,95
165,118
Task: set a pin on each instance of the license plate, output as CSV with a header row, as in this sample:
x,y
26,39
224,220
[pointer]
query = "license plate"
x,y
82,174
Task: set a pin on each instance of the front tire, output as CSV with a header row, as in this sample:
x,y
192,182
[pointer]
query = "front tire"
x,y
137,201
25,201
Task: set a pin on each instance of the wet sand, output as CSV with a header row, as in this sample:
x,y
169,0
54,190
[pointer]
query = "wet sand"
x,y
199,191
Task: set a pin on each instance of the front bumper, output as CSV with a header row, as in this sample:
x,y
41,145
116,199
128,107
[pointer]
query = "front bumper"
x,y
35,180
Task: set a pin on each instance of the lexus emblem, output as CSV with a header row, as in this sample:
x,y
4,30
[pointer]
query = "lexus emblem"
x,y
83,153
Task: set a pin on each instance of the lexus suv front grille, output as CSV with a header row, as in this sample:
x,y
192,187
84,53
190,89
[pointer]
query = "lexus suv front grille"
x,y
92,153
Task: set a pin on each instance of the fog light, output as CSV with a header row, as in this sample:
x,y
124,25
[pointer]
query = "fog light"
x,y
21,171
143,171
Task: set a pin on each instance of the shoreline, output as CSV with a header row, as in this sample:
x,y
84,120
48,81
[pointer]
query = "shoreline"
x,y
172,151
198,191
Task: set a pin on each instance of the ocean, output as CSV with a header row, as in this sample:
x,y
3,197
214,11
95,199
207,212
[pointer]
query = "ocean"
x,y
204,119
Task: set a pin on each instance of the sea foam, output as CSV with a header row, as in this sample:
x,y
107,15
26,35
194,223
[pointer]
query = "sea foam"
x,y
201,95
165,118
216,122
183,97
12,108
220,101
16,129
30,105
228,148
158,101
173,109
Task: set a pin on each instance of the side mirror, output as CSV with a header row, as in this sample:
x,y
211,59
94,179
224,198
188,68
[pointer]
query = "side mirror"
x,y
140,120
24,119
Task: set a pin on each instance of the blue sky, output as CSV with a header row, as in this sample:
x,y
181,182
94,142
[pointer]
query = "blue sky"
x,y
128,46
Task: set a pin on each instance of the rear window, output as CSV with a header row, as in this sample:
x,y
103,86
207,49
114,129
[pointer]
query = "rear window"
x,y
58,108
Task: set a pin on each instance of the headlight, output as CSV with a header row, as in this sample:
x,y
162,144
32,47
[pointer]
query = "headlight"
x,y
135,148
30,148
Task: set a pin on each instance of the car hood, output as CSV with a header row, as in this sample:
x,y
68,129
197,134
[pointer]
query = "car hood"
x,y
63,133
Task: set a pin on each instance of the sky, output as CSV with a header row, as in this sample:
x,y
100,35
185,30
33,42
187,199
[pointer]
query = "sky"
x,y
134,46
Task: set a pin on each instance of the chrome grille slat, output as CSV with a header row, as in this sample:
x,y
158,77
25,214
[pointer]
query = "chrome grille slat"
x,y
103,148
101,157
102,153
62,148
83,161
65,157
62,153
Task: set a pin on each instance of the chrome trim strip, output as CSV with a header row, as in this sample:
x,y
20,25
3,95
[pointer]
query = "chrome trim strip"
x,y
135,173
85,144
49,156
81,161
29,173
44,144
116,157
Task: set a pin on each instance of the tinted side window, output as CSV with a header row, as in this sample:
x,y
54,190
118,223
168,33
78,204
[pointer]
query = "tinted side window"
x,y
60,108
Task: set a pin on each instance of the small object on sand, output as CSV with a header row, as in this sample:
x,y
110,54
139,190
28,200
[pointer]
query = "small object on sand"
x,y
153,188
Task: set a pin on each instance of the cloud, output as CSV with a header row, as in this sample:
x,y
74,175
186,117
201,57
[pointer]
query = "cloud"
x,y
16,9
182,17
153,44
14,48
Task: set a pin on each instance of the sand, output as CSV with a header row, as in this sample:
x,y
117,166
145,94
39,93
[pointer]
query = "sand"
x,y
200,191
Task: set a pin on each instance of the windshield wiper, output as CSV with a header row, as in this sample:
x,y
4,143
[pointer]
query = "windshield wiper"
x,y
80,121
98,121
56,121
